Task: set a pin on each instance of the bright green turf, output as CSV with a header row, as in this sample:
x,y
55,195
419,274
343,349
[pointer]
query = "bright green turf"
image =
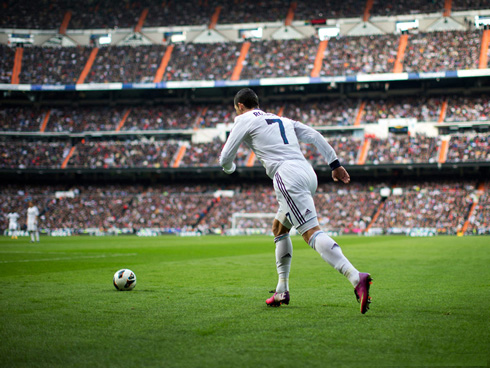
x,y
200,302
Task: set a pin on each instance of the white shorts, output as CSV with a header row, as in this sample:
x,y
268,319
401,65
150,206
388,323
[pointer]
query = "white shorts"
x,y
31,226
295,183
12,226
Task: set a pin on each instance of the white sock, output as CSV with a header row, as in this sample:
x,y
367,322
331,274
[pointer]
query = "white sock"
x,y
332,254
37,235
284,254
32,235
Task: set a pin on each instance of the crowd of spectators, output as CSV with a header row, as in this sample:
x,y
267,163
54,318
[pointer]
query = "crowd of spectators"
x,y
347,209
479,221
25,155
360,55
331,112
97,14
162,117
179,13
424,109
441,205
42,14
318,9
211,115
127,154
349,55
53,65
106,13
20,119
459,5
126,64
112,206
150,153
441,51
316,113
384,8
280,58
84,119
469,147
242,11
7,55
202,154
465,108
403,149
105,118
200,61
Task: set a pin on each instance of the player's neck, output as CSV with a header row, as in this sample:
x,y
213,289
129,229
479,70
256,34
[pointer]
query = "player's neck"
x,y
245,110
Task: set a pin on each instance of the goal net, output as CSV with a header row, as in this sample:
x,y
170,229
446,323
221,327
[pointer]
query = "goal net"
x,y
251,223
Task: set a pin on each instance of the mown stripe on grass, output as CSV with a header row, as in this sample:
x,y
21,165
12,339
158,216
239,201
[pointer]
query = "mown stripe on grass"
x,y
70,258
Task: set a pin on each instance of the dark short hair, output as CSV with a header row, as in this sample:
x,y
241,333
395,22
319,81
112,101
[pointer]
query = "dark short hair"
x,y
247,97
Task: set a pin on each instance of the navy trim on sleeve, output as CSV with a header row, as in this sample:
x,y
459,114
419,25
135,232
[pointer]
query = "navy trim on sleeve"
x,y
335,164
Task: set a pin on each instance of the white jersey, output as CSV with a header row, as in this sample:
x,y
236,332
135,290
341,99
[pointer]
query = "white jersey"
x,y
32,213
273,139
13,217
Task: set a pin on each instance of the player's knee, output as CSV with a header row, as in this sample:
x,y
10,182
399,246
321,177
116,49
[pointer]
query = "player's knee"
x,y
279,229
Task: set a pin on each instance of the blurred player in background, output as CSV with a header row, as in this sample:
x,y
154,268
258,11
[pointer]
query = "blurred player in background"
x,y
32,222
275,142
13,225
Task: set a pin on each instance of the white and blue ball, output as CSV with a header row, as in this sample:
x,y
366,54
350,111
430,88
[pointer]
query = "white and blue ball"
x,y
124,280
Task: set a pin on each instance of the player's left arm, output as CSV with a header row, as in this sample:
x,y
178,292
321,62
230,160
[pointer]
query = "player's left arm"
x,y
309,135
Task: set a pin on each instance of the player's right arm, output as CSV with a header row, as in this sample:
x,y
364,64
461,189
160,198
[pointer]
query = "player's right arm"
x,y
228,153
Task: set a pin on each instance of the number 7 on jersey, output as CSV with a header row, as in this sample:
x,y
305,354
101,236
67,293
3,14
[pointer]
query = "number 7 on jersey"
x,y
281,128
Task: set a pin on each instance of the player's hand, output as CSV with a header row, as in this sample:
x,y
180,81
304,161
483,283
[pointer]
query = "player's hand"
x,y
341,174
229,169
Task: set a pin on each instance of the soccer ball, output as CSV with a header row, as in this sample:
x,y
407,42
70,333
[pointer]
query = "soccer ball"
x,y
124,280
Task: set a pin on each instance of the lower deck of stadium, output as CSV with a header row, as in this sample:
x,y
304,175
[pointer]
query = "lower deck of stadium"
x,y
447,206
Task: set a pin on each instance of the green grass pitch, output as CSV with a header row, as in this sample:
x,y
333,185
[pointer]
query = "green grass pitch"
x,y
200,302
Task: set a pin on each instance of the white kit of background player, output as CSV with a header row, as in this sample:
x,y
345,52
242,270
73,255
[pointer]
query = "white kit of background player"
x,y
32,225
13,225
275,142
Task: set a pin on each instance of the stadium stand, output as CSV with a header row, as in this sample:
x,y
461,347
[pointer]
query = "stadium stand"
x,y
280,58
144,153
314,112
441,205
22,154
348,55
478,222
202,61
103,14
436,51
7,55
50,65
116,154
114,134
126,64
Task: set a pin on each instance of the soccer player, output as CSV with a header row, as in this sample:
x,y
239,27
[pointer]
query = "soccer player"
x,y
13,217
32,226
275,142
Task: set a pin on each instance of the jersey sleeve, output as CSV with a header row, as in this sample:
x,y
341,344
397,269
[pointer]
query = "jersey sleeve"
x,y
307,134
228,153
